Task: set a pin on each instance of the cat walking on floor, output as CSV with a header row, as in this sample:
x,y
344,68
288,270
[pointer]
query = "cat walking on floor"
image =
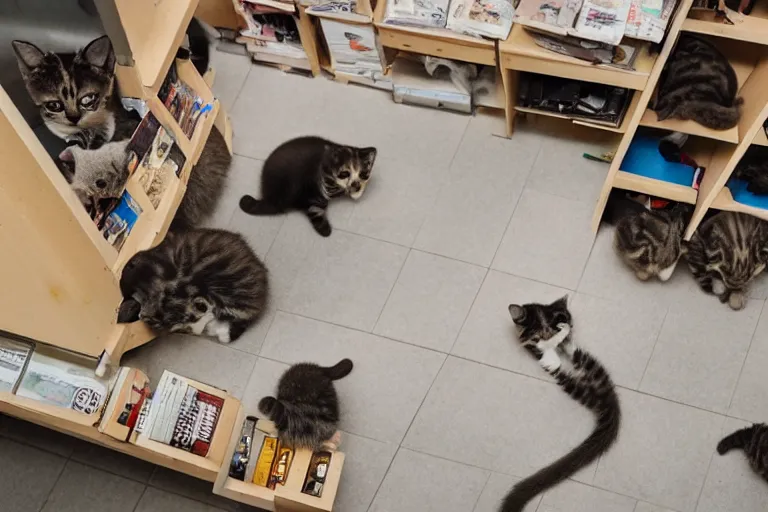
x,y
306,409
545,332
754,442
305,173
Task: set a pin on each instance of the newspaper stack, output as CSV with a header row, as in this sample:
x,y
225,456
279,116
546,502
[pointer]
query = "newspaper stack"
x,y
481,18
417,13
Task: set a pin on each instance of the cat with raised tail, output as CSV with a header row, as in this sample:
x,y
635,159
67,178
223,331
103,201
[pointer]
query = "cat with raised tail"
x,y
306,409
754,441
544,330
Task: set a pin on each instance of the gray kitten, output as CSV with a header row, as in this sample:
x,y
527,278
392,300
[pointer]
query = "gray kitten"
x,y
651,242
202,281
96,173
544,330
306,410
76,92
726,253
699,83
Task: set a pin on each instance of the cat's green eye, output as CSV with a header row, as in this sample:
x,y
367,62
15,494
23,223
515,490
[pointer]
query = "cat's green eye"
x,y
53,106
89,100
344,175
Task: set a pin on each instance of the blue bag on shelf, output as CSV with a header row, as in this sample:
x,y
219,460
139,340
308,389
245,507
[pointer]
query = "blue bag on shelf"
x,y
643,158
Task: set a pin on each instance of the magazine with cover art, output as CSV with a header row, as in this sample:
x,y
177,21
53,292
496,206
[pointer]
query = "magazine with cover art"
x,y
555,16
13,358
120,222
63,384
602,20
481,18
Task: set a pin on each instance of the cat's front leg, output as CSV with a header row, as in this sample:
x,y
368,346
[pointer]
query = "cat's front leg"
x,y
317,213
737,299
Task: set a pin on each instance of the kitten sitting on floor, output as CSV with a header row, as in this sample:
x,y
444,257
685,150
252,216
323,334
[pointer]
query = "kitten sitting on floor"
x,y
726,253
545,331
201,281
754,441
304,173
306,409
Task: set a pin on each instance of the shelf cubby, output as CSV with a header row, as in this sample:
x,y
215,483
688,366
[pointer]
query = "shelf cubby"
x,y
752,28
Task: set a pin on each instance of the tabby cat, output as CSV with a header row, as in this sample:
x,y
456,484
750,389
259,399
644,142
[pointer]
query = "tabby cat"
x,y
651,241
726,253
202,281
76,92
698,83
545,331
306,409
754,441
753,168
304,173
97,173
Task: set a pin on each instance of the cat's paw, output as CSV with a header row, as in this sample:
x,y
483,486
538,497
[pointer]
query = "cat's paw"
x,y
718,287
334,442
737,301
323,229
550,361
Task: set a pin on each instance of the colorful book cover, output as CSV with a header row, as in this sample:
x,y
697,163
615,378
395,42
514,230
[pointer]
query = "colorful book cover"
x,y
142,140
120,222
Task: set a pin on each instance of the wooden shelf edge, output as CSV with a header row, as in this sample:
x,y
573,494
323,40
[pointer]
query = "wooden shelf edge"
x,y
649,120
752,28
725,201
760,138
657,188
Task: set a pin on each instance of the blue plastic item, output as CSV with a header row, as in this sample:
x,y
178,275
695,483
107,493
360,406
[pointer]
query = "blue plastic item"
x,y
741,195
643,158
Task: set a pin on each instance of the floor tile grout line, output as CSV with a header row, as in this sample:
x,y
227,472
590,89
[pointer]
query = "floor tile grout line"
x,y
424,399
138,502
469,311
389,468
653,350
55,483
391,290
480,494
746,355
709,468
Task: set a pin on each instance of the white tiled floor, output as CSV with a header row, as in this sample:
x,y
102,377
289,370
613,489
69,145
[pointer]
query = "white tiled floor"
x,y
444,411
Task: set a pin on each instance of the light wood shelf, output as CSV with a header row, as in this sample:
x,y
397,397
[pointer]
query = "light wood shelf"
x,y
650,120
725,201
155,30
653,187
760,139
521,53
752,28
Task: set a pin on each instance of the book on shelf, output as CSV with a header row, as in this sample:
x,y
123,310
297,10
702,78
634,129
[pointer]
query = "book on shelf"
x,y
353,49
182,416
63,383
129,393
120,221
184,104
14,355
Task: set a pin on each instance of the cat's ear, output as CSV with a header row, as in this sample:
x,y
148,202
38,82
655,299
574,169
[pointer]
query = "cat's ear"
x,y
129,311
367,157
28,56
517,312
99,53
561,303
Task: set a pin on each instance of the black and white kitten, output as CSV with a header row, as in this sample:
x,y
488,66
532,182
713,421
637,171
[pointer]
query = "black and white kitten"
x,y
545,331
203,281
306,409
726,253
76,92
304,173
754,441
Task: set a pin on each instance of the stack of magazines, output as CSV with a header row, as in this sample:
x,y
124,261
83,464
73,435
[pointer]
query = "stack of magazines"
x,y
182,102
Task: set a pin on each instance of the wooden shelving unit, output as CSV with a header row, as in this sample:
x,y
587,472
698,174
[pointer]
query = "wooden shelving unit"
x,y
746,46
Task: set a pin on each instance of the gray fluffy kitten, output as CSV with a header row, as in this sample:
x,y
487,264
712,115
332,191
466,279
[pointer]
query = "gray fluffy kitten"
x,y
726,253
97,173
651,242
201,281
306,409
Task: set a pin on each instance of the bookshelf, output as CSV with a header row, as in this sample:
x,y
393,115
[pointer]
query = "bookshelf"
x,y
719,151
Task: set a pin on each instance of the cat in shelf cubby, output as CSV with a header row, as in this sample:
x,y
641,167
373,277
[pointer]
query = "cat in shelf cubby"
x,y
698,83
201,281
76,96
545,331
306,409
305,173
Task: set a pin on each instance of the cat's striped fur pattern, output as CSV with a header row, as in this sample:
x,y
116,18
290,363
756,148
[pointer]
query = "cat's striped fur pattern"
x,y
726,253
306,409
203,281
698,83
754,441
651,242
545,331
